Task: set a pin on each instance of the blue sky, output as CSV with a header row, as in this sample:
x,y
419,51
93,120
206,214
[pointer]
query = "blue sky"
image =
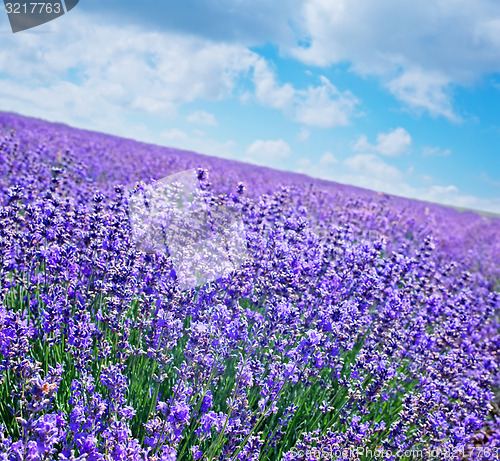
x,y
396,96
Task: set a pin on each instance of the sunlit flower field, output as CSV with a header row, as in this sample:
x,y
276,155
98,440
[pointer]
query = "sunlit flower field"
x,y
360,325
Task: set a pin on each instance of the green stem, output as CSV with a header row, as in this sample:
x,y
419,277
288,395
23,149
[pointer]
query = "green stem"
x,y
221,434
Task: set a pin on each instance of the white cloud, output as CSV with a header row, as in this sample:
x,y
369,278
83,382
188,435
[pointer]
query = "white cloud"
x,y
328,159
181,140
269,150
435,152
371,166
447,195
392,144
363,170
422,90
107,74
419,49
371,172
362,144
487,32
203,118
451,195
437,191
268,92
323,106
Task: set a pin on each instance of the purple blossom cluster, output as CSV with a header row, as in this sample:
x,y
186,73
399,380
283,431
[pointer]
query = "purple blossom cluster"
x,y
357,320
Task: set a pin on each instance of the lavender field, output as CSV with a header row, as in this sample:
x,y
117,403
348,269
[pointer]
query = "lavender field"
x,y
360,326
